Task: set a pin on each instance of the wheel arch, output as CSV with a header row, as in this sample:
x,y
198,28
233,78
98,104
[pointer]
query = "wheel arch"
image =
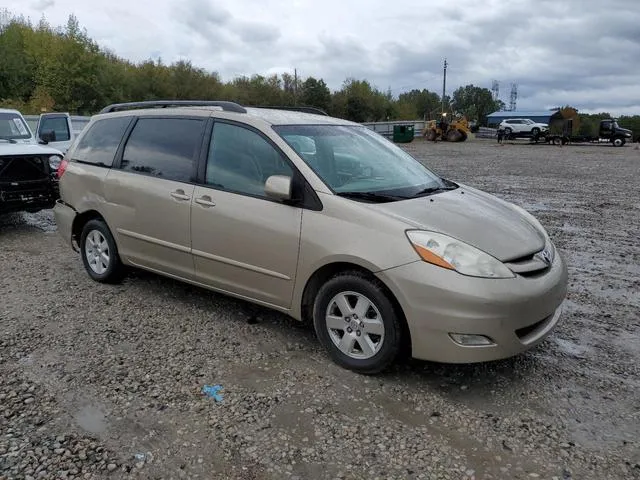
x,y
618,140
81,220
329,270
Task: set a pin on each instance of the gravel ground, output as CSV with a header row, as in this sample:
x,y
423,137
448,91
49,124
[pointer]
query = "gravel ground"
x,y
104,381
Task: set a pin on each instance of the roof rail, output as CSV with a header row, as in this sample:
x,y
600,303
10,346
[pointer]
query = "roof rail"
x,y
226,106
314,110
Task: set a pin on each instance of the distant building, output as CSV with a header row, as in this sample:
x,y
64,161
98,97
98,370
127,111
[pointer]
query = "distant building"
x,y
541,116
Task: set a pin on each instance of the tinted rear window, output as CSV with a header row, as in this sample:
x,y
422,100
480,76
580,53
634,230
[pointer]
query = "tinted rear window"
x,y
164,147
101,142
58,125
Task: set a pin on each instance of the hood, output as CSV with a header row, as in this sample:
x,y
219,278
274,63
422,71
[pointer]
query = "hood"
x,y
475,217
623,130
12,149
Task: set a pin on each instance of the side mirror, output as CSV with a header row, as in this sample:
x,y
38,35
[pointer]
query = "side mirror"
x,y
278,187
47,137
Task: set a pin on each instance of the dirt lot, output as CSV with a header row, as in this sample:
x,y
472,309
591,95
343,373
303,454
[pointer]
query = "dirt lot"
x,y
105,381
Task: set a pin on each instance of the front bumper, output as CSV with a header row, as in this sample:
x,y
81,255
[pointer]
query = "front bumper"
x,y
27,195
516,314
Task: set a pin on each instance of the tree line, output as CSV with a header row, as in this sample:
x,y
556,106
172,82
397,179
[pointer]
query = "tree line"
x,y
43,68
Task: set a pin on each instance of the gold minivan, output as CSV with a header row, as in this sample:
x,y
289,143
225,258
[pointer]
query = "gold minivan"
x,y
314,216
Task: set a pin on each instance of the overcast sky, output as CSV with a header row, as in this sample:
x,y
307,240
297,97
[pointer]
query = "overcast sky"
x,y
580,52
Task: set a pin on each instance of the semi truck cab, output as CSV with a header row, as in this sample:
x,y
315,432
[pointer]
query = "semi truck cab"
x,y
610,130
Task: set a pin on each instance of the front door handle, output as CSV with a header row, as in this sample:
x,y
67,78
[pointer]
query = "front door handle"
x,y
205,201
180,195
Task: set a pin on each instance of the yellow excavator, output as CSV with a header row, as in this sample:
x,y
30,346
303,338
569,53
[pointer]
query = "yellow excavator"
x,y
456,130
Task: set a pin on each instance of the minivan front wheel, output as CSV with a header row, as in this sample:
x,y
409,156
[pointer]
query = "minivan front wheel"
x,y
99,252
357,323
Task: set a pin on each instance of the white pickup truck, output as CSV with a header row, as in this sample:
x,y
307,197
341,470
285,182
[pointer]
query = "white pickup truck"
x,y
28,165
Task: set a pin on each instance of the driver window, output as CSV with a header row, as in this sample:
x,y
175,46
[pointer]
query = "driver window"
x,y
240,160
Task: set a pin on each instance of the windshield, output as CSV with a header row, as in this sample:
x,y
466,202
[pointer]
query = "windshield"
x,y
354,159
12,126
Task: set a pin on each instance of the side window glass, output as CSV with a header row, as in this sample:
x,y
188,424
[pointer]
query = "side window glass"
x,y
240,160
58,125
100,143
163,147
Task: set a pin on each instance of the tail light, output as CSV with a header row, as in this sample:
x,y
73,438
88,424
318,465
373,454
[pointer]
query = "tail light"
x,y
62,167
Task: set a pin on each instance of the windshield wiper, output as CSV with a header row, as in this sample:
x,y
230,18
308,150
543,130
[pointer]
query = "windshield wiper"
x,y
432,190
10,140
372,196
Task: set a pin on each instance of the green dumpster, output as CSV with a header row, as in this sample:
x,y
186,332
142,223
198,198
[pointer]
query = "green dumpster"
x,y
402,133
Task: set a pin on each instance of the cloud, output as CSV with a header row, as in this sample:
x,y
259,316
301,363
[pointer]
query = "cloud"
x,y
42,5
579,52
254,32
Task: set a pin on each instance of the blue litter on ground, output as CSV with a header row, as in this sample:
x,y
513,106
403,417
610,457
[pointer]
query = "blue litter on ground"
x,y
213,392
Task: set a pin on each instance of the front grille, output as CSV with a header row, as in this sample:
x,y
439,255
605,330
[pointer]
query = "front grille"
x,y
528,266
23,168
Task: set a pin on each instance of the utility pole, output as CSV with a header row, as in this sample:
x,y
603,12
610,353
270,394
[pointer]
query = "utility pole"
x,y
444,84
295,86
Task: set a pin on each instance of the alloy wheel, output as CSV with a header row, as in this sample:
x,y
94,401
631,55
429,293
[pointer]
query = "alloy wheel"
x,y
96,250
355,325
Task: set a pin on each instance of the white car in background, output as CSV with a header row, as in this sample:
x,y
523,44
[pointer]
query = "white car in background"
x,y
523,126
54,129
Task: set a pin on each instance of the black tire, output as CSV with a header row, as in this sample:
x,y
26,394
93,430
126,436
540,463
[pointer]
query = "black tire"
x,y
114,271
375,293
508,132
535,131
619,142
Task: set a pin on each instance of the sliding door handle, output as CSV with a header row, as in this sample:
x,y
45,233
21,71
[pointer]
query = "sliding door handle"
x,y
205,201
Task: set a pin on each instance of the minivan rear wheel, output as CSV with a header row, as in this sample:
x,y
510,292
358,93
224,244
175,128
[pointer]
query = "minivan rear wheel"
x,y
357,323
99,252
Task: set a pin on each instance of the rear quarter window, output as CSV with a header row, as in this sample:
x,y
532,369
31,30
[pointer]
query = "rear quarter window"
x,y
100,143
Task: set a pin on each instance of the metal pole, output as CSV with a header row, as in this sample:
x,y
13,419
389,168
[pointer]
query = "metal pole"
x,y
444,84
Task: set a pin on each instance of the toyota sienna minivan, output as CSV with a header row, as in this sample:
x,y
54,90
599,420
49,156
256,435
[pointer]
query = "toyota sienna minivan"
x,y
314,216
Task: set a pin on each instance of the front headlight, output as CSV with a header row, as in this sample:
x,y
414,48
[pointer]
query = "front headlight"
x,y
54,161
444,251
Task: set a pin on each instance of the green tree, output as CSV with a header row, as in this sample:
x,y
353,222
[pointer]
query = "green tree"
x,y
474,102
17,68
425,104
315,93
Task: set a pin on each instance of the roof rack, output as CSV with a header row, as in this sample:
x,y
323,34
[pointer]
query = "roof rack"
x,y
226,106
314,110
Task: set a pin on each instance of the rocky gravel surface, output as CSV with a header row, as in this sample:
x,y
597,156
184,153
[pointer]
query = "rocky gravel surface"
x,y
105,382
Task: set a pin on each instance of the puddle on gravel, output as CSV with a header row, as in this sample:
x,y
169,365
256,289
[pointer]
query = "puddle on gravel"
x,y
91,419
570,348
43,220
